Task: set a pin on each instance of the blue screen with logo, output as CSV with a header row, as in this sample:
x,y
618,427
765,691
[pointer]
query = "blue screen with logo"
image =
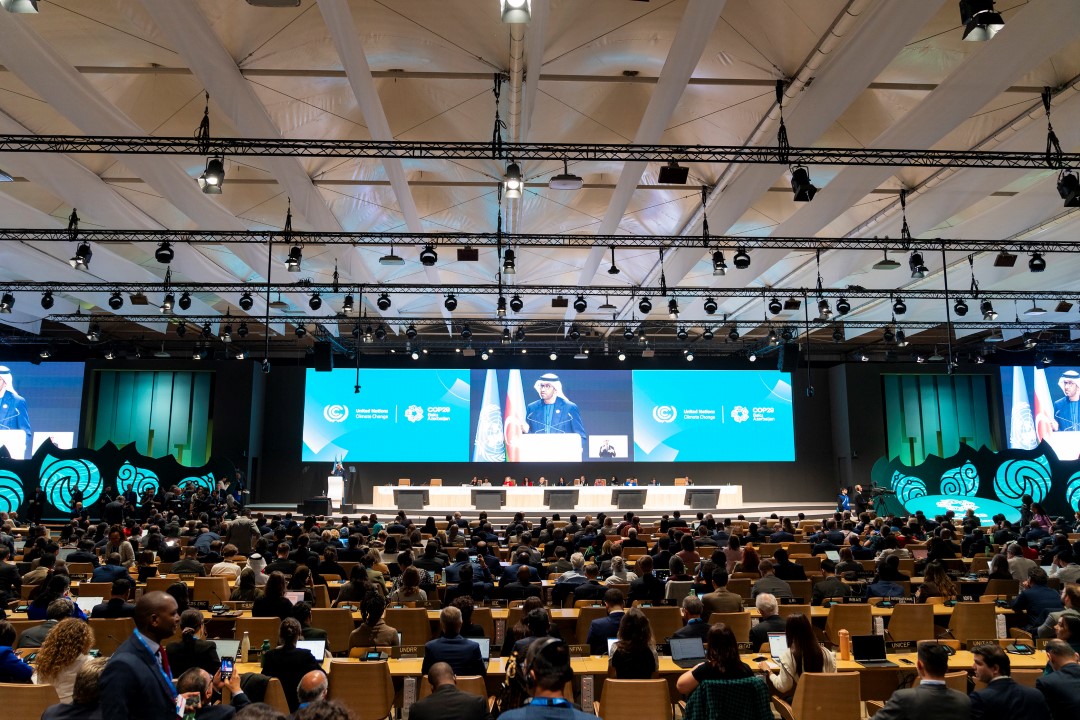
x,y
559,415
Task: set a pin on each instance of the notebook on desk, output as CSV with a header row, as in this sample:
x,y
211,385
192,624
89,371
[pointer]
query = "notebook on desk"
x,y
687,652
869,651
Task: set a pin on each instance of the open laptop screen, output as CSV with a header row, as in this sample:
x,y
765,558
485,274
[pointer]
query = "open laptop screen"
x,y
777,644
867,647
690,648
485,647
316,647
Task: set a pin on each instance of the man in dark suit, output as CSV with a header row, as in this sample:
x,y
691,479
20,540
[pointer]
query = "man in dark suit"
x,y
522,587
601,629
591,589
647,587
830,585
696,626
931,699
1002,698
770,622
10,580
720,599
136,680
114,512
785,569
1061,688
462,655
112,570
446,701
117,605
199,683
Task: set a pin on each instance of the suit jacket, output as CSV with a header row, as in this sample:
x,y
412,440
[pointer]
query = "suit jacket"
x,y
589,591
33,637
759,634
1062,692
289,665
194,653
698,629
1005,699
71,711
462,655
109,573
831,586
114,608
772,585
449,703
926,702
600,630
133,685
648,587
721,601
223,712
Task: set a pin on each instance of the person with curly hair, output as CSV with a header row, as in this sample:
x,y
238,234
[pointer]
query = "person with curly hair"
x,y
62,654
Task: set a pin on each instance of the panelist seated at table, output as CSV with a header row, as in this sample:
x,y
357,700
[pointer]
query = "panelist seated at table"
x,y
931,699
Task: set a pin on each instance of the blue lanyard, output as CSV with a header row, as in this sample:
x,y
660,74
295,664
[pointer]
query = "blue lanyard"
x,y
551,702
168,680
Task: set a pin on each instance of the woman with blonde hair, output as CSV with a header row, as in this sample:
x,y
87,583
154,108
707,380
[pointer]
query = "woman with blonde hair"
x,y
63,652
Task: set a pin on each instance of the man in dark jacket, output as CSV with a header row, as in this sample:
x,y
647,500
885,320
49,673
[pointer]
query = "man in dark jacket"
x,y
117,606
136,681
462,655
197,681
606,627
931,699
647,587
1061,688
446,701
1002,698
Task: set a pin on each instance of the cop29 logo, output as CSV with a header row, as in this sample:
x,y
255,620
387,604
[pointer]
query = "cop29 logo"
x,y
335,413
664,413
740,414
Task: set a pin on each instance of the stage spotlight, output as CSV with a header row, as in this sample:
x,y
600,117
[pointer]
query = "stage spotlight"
x,y
1037,263
673,309
733,335
787,334
1068,186
347,305
682,334
500,307
8,301
167,303
644,306
843,306
116,301
710,306
672,174
512,183
181,329
207,331
719,265
213,176
916,265
296,256
801,187
301,331
383,302
509,262
580,304
753,357
899,306
707,334
837,335
824,311
164,253
428,256
980,21
450,303
575,334
380,332
987,309
47,300
93,334
242,330
466,332
960,307
622,356
516,11
888,336
773,338
185,301
519,334
226,333
246,302
775,306
315,302
410,332
690,356
81,259
628,333
901,338
516,303
741,259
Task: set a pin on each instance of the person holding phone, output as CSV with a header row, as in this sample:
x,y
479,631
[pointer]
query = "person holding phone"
x,y
196,686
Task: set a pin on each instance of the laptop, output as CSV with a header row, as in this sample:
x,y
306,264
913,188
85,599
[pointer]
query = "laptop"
x,y
86,604
295,597
687,652
869,651
316,647
832,555
919,553
662,574
611,644
777,645
485,647
227,648
62,553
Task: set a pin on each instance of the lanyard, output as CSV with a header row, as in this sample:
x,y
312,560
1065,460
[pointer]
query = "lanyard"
x,y
168,680
551,702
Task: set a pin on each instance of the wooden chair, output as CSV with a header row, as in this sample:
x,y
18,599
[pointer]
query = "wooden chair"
x,y
274,697
785,611
321,596
957,680
798,549
95,589
412,623
27,701
83,568
739,623
741,587
810,563
110,633
677,589
972,621
359,652
801,589
1002,587
27,590
639,698
338,625
1026,676
979,563
258,629
665,621
856,619
331,578
159,584
214,590
911,622
585,617
472,684
823,696
366,688
482,616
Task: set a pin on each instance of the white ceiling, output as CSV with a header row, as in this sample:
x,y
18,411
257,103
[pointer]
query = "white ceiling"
x,y
863,74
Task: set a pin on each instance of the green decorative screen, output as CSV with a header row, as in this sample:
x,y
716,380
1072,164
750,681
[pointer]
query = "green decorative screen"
x,y
163,413
935,414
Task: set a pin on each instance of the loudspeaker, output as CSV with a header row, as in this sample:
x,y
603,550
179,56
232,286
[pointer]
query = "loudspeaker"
x,y
787,359
324,357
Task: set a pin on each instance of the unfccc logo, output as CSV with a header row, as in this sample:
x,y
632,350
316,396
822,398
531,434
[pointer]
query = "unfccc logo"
x,y
740,414
414,413
335,413
664,413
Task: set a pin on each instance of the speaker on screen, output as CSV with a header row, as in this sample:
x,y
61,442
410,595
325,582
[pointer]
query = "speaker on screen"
x,y
324,357
787,359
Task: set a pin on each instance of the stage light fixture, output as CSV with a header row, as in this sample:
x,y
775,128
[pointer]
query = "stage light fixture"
x,y
450,303
110,355
690,356
565,180
843,306
1035,310
863,357
575,334
1004,259
246,301
787,334
7,302
733,335
315,302
886,263
415,355
888,336
213,176
773,338
81,259
410,332
93,333
296,256
987,309
164,253
752,357
380,332
710,306
116,301
301,331
509,262
719,265
185,301
239,354
512,183
226,334
1068,186
707,334
916,265
516,303
580,304
466,332
673,174
47,300
242,330
980,21
347,305
628,333
741,259
553,356
775,306
824,311
181,329
207,331
673,309
837,335
644,306
614,269
899,306
196,354
500,307
801,187
622,356
960,307
45,353
1037,263
428,256
682,334
519,335
516,11
167,303
901,338
384,302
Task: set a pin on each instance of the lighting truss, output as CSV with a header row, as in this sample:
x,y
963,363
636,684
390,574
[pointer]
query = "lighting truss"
x,y
483,239
401,149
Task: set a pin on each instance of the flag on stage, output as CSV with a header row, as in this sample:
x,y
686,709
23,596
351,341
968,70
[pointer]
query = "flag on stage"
x,y
1022,431
514,417
1044,406
490,445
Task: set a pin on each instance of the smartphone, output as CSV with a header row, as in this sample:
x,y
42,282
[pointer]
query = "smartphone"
x,y
227,665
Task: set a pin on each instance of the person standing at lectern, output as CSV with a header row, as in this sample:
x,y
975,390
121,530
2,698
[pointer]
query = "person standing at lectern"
x,y
14,415
553,412
1066,409
607,450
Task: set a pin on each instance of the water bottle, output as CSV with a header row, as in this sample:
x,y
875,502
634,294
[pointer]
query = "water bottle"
x,y
245,648
693,592
845,645
265,648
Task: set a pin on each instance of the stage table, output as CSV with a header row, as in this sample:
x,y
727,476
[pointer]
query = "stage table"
x,y
590,497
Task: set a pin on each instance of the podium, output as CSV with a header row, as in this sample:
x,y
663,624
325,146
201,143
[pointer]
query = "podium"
x,y
488,498
561,499
335,491
702,498
554,447
15,442
411,498
629,499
